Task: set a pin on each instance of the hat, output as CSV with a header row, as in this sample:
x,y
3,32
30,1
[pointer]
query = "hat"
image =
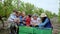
x,y
35,15
43,15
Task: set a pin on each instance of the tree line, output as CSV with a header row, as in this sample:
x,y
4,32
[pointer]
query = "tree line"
x,y
7,7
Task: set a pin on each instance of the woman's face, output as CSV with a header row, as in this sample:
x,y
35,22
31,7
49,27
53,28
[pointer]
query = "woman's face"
x,y
35,17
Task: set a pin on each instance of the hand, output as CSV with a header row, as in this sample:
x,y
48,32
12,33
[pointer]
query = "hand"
x,y
35,24
27,25
14,21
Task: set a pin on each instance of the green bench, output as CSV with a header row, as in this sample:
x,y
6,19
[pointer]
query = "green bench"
x,y
31,30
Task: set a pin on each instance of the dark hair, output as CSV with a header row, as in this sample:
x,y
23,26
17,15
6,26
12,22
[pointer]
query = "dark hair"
x,y
29,15
44,19
14,10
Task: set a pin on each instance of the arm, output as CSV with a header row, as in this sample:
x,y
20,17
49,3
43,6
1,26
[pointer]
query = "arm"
x,y
46,21
11,18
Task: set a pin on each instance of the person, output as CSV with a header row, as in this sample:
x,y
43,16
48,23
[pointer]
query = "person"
x,y
45,21
13,21
22,18
35,20
28,20
17,20
12,16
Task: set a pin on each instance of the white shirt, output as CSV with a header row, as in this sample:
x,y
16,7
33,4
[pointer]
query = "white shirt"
x,y
35,21
12,17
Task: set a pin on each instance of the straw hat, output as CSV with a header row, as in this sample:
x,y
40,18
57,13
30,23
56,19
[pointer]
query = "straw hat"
x,y
43,15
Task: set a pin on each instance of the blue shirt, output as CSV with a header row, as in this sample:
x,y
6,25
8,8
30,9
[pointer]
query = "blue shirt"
x,y
46,24
21,19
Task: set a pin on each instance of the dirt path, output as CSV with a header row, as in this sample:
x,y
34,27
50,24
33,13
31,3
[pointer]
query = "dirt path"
x,y
56,29
4,32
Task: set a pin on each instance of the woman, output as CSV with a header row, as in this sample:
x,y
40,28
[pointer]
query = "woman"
x,y
28,20
45,21
35,20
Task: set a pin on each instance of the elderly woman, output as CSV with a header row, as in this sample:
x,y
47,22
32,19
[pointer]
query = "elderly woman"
x,y
35,20
45,21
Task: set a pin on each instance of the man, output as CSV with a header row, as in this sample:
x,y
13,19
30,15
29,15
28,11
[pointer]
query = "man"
x,y
12,16
22,19
13,21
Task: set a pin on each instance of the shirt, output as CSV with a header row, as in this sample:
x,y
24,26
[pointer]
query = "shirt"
x,y
21,19
46,24
12,17
35,21
28,20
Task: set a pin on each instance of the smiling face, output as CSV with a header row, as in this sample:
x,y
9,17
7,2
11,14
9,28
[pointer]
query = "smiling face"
x,y
35,17
23,14
17,14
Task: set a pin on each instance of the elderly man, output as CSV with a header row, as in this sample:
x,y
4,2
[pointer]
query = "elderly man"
x,y
14,21
22,19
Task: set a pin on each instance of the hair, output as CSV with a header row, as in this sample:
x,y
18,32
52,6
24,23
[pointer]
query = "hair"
x,y
15,10
30,16
44,19
23,12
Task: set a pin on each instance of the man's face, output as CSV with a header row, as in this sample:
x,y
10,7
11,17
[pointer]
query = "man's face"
x,y
23,14
17,14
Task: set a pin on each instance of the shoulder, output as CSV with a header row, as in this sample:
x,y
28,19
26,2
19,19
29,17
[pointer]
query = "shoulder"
x,y
47,19
38,18
20,16
12,14
31,18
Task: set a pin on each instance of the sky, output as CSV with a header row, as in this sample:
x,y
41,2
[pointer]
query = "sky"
x,y
51,5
